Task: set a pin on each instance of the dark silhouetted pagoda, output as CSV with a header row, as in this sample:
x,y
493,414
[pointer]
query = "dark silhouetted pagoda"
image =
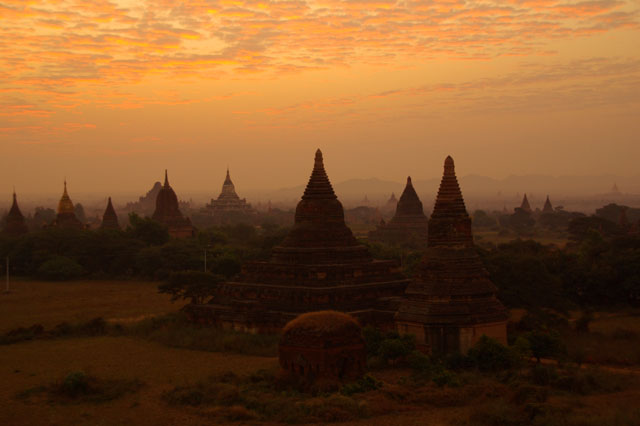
x,y
66,217
168,213
15,224
548,208
451,302
408,225
229,207
525,206
319,266
110,218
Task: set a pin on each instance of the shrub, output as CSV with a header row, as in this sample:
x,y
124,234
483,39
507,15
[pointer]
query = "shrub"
x,y
60,268
80,387
545,344
364,384
543,375
490,355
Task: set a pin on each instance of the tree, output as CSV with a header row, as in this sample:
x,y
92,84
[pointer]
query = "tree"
x,y
60,268
194,285
147,230
545,344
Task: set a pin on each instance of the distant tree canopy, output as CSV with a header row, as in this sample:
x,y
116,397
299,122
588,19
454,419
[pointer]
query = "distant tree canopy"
x,y
144,250
599,267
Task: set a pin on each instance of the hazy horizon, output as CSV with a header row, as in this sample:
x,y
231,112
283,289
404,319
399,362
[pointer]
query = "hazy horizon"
x,y
108,94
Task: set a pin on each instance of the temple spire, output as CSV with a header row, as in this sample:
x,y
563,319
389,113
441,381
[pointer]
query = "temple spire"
x,y
15,224
227,180
166,177
110,218
319,185
449,201
450,224
525,204
409,203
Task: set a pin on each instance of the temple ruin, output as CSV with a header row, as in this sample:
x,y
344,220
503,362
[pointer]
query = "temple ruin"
x,y
451,302
319,266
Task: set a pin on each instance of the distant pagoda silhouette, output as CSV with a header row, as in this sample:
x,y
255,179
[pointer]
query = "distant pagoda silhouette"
x,y
408,225
391,204
451,302
548,208
229,207
66,217
319,266
168,212
110,218
525,206
15,224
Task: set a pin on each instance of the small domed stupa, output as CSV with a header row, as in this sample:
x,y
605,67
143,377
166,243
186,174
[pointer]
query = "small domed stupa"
x,y
408,225
168,212
325,344
15,224
66,217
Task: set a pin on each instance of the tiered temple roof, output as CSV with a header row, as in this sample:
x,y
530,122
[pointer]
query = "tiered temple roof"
x,y
66,217
110,218
548,208
15,224
408,225
228,201
319,266
168,213
452,299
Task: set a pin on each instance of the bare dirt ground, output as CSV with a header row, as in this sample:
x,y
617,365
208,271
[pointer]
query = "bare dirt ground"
x,y
28,365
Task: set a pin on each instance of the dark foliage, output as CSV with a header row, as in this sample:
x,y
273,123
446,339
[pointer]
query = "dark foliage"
x,y
196,286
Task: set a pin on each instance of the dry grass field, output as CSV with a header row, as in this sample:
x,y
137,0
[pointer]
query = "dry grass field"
x,y
50,303
27,367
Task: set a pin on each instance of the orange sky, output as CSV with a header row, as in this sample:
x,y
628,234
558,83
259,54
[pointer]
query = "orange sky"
x,y
110,93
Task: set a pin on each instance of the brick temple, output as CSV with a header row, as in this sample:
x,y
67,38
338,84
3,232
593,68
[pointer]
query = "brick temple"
x,y
451,302
15,224
319,266
168,212
409,223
